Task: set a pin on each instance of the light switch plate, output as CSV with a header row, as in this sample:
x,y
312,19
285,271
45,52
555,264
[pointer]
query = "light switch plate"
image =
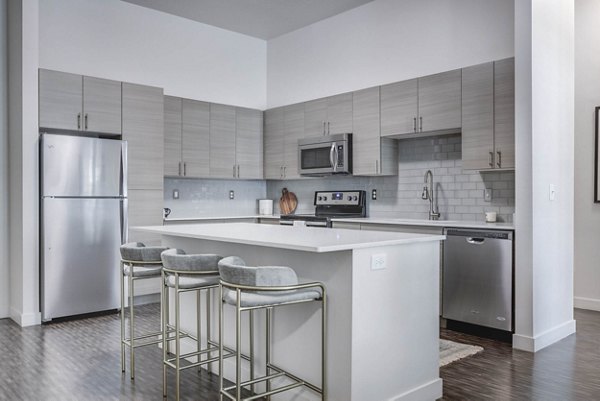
x,y
551,192
487,195
175,194
378,261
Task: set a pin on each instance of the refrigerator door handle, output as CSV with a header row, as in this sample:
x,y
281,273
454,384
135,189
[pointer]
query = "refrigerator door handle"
x,y
124,221
124,169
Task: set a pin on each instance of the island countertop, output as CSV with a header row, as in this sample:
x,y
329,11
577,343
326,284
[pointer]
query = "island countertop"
x,y
309,239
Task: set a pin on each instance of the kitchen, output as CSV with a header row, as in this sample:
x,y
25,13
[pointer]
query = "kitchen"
x,y
79,55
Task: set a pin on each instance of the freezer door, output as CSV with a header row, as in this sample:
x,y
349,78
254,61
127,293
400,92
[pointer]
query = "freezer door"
x,y
80,255
75,166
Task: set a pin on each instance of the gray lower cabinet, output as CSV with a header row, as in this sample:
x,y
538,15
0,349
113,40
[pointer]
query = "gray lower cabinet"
x,y
222,141
488,116
274,143
79,103
330,115
372,154
249,143
420,106
143,125
145,209
195,142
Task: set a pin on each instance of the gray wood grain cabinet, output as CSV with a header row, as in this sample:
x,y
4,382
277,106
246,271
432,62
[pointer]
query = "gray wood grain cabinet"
x,y
143,125
249,143
427,105
372,154
222,141
330,115
145,208
173,136
274,143
195,142
79,103
293,127
488,116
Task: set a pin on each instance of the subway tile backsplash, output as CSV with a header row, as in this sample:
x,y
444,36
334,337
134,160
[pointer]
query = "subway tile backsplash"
x,y
459,194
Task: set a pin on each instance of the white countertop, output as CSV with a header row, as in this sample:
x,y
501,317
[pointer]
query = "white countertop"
x,y
254,216
430,223
310,239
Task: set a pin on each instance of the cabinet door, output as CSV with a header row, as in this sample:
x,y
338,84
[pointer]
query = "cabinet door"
x,y
273,144
101,105
222,141
504,110
145,208
399,108
172,136
195,129
440,102
339,114
478,117
61,100
143,125
249,143
293,117
366,142
315,118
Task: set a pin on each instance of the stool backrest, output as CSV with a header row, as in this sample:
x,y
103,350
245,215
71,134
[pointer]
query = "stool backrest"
x,y
234,270
138,252
178,260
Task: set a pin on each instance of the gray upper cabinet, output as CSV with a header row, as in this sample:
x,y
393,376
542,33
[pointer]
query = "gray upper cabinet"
x,y
399,107
73,102
372,154
330,115
274,143
172,121
249,143
488,116
143,126
293,126
426,105
222,141
440,102
196,138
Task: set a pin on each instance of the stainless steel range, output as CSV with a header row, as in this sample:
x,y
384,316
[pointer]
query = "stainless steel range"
x,y
329,205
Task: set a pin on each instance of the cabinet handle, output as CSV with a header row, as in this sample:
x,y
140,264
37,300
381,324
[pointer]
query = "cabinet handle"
x,y
85,119
328,130
415,124
234,171
238,171
284,171
324,128
184,169
179,169
78,120
376,166
499,162
421,124
491,160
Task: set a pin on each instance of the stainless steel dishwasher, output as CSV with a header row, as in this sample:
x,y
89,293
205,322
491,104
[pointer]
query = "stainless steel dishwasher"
x,y
477,284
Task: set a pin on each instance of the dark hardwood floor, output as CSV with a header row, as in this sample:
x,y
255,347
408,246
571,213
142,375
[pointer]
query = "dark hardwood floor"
x,y
79,360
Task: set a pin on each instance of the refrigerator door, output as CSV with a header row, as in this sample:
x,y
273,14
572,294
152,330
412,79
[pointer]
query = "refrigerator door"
x,y
80,262
73,166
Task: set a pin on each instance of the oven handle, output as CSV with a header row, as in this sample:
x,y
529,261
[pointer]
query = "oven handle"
x,y
332,157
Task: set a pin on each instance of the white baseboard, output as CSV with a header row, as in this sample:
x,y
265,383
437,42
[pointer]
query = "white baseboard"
x,y
549,337
25,319
587,303
428,391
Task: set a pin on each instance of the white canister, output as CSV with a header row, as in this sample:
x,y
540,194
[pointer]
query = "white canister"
x,y
265,207
490,217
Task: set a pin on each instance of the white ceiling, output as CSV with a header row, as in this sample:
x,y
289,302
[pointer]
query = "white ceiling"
x,y
264,19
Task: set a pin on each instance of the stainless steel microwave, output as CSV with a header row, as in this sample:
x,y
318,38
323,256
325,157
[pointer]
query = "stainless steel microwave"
x,y
325,155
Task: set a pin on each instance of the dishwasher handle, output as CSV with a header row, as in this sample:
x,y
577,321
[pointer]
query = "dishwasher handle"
x,y
475,241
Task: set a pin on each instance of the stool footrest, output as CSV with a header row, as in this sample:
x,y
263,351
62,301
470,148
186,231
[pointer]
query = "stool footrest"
x,y
294,377
281,389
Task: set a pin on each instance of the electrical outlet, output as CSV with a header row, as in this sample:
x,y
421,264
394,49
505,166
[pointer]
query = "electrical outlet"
x,y
378,261
175,194
231,194
487,195
374,194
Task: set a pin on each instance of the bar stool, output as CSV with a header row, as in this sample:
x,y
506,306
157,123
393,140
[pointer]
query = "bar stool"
x,y
185,273
138,262
251,288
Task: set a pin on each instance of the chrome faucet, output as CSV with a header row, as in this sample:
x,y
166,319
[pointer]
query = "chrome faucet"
x,y
428,195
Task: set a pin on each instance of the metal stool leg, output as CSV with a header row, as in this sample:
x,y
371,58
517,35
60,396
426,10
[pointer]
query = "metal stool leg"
x,y
199,326
220,343
208,329
268,348
251,330
323,346
122,279
238,347
131,331
164,306
177,338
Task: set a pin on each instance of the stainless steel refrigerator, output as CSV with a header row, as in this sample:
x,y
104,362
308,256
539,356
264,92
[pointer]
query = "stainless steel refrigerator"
x,y
83,221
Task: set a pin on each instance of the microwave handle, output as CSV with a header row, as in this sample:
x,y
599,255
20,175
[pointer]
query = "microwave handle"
x,y
331,156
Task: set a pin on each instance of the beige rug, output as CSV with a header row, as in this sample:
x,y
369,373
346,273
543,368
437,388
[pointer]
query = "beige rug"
x,y
451,351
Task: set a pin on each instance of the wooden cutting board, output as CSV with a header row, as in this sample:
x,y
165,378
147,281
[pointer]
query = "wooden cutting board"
x,y
288,202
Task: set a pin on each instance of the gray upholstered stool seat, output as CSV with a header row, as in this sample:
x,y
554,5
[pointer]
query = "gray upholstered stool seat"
x,y
250,288
138,262
187,273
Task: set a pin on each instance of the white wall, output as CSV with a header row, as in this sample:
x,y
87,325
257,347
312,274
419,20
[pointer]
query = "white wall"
x,y
118,40
23,166
4,266
587,97
545,155
386,41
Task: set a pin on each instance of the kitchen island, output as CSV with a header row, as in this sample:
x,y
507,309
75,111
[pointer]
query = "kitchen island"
x,y
383,306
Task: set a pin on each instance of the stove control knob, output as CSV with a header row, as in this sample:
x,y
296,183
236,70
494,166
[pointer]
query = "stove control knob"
x,y
355,198
320,198
324,198
349,198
